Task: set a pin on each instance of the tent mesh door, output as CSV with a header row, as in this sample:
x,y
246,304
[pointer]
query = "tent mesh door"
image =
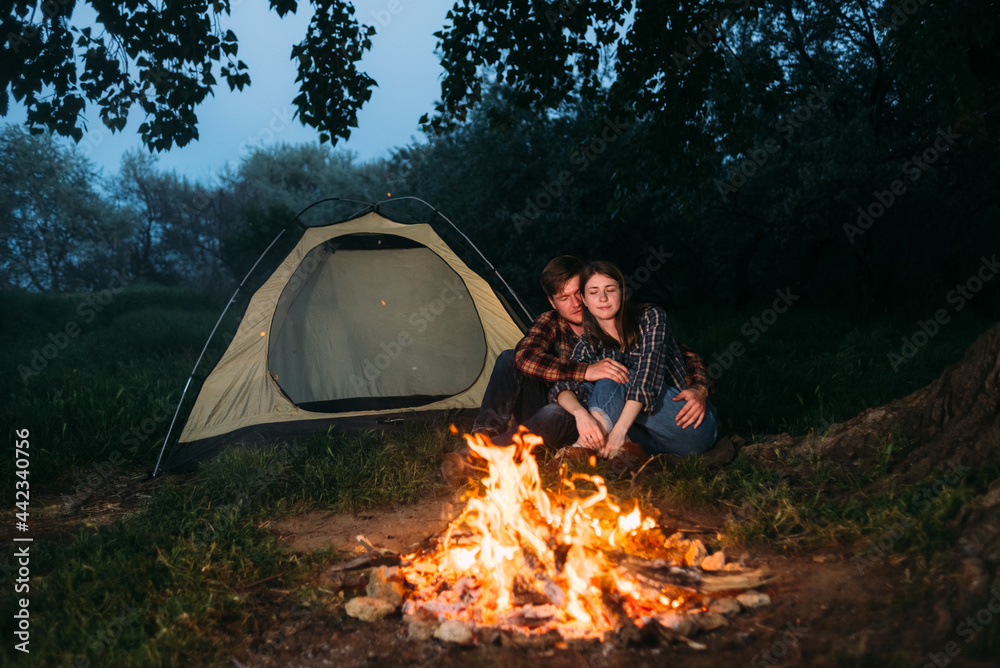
x,y
371,322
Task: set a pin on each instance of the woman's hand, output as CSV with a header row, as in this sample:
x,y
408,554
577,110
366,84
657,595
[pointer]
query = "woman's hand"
x,y
590,430
619,432
615,440
693,411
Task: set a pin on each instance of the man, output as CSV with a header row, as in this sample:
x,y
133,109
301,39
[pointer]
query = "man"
x,y
518,389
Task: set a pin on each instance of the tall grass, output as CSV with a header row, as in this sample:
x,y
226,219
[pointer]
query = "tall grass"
x,y
109,391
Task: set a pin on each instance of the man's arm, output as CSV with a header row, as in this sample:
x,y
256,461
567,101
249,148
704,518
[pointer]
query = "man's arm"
x,y
583,352
695,397
697,374
539,355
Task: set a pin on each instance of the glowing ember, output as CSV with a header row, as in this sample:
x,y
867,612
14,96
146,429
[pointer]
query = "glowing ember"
x,y
521,556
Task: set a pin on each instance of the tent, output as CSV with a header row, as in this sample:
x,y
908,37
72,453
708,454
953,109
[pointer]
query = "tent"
x,y
366,321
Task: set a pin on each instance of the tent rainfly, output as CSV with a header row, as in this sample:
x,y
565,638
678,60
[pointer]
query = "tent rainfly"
x,y
365,321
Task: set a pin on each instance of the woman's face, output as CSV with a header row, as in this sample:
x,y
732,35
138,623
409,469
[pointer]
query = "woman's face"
x,y
602,296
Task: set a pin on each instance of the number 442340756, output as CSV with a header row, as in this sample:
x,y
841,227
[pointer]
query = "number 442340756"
x,y
21,462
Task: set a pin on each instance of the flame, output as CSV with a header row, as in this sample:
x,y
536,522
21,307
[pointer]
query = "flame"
x,y
519,551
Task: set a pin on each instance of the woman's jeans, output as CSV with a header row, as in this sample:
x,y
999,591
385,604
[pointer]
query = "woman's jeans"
x,y
657,432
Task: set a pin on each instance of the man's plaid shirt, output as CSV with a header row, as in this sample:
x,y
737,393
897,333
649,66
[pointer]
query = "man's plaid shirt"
x,y
546,353
655,360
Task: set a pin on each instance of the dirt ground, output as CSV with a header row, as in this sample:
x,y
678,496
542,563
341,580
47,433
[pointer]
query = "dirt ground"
x,y
823,612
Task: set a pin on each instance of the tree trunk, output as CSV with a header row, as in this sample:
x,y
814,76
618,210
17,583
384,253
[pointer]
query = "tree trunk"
x,y
956,417
956,420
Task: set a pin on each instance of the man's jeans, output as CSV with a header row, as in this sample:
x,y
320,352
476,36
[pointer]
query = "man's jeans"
x,y
512,394
657,432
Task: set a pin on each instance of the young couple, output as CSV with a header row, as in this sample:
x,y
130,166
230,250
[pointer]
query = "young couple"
x,y
600,373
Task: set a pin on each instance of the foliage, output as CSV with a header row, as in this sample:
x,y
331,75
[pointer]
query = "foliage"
x,y
764,133
710,75
51,214
164,57
69,227
762,146
171,235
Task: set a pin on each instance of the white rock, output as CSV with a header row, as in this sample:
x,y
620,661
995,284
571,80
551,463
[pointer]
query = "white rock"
x,y
387,584
724,606
695,553
714,562
680,624
753,599
456,632
419,629
709,621
369,609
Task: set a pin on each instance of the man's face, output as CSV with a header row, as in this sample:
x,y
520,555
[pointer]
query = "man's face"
x,y
568,302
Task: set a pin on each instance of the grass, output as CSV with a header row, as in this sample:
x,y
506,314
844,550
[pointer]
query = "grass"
x,y
825,507
175,582
108,392
175,575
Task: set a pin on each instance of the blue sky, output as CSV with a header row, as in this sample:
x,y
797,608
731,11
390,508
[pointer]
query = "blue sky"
x,y
401,60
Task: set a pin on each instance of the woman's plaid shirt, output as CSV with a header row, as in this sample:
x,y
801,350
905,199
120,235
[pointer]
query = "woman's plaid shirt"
x,y
654,361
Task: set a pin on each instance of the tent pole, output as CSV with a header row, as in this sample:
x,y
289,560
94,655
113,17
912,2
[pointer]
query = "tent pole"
x,y
475,248
166,439
372,207
170,430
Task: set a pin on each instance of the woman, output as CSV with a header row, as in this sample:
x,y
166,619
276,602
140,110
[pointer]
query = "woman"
x,y
656,408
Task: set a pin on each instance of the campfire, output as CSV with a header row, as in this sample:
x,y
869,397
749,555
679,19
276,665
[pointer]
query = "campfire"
x,y
567,565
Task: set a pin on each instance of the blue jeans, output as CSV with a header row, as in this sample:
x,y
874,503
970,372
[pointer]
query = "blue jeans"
x,y
512,394
657,432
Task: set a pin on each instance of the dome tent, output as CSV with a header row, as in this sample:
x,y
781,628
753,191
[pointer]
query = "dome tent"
x,y
367,320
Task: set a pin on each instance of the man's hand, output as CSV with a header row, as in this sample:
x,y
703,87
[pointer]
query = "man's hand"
x,y
693,411
607,368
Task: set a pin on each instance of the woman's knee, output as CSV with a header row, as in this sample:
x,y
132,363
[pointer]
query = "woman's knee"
x,y
605,389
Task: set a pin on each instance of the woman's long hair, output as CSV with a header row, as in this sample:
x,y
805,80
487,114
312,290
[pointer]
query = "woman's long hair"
x,y
628,316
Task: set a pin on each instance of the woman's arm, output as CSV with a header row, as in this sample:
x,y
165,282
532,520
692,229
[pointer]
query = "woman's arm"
x,y
649,358
619,433
589,429
658,360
